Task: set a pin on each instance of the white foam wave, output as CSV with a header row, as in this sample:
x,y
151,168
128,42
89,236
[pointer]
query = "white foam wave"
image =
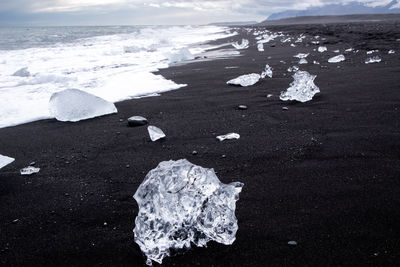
x,y
114,67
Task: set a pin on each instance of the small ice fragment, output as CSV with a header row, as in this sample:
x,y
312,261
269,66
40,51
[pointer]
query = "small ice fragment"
x,y
245,80
137,121
336,51
292,243
243,45
181,203
315,42
303,61
75,105
228,136
292,45
374,59
283,62
322,49
231,67
285,108
336,59
302,88
293,69
301,55
22,72
4,161
267,72
372,51
349,50
155,133
29,170
391,52
315,62
242,107
260,47
270,95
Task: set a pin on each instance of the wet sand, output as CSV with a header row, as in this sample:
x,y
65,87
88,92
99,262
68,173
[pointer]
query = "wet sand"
x,y
323,173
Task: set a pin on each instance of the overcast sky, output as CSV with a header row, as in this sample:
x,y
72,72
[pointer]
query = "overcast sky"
x,y
139,12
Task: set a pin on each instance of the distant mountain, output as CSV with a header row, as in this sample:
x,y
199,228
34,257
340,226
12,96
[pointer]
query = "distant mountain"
x,y
331,19
233,23
340,9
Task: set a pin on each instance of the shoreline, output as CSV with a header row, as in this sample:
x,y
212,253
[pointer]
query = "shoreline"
x,y
322,173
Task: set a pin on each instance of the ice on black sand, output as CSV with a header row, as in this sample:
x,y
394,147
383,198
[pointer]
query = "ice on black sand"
x,y
337,59
242,107
181,203
245,80
267,71
4,161
228,136
243,45
375,59
302,88
155,133
75,105
137,121
29,170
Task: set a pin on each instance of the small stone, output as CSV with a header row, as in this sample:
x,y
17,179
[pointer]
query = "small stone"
x,y
242,107
285,108
292,243
137,121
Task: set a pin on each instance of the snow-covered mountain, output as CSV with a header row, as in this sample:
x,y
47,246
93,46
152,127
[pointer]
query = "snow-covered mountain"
x,y
373,7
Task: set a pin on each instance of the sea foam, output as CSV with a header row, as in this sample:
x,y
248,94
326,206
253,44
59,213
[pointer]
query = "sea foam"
x,y
113,66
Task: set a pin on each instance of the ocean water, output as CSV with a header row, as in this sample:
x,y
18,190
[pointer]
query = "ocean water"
x,y
115,63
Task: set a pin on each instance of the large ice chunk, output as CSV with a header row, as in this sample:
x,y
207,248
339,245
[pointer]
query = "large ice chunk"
x,y
243,45
22,72
182,54
245,80
4,161
336,59
375,59
75,105
302,88
181,203
155,133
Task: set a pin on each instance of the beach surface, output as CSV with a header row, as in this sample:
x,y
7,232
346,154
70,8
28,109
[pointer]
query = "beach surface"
x,y
324,173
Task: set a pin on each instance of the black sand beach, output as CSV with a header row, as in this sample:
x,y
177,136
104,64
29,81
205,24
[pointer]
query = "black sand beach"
x,y
323,173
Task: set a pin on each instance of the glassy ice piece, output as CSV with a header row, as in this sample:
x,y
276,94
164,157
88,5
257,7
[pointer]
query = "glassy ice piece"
x,y
349,50
293,69
336,59
245,80
243,45
292,45
372,51
267,72
374,59
4,161
322,49
29,170
315,62
391,52
22,72
182,54
301,55
228,136
303,61
302,88
181,203
336,51
155,133
260,47
75,105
